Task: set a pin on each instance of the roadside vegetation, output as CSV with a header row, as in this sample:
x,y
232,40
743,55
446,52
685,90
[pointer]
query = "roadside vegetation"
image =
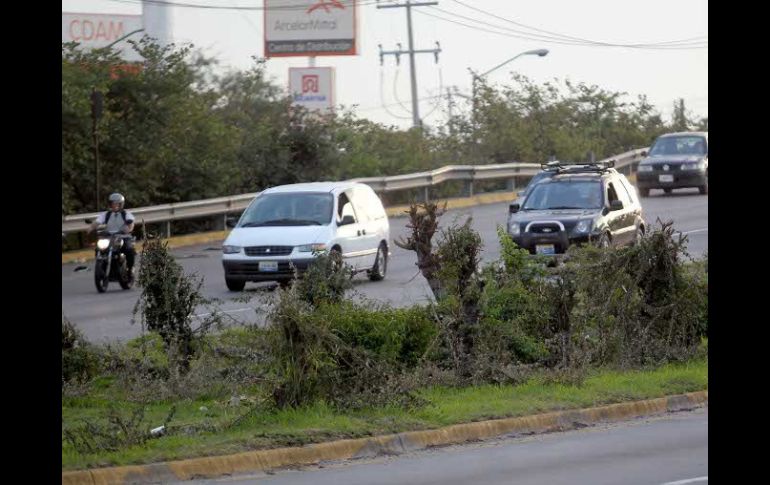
x,y
508,338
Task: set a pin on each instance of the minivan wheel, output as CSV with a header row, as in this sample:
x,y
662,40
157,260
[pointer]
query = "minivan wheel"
x,y
380,267
235,285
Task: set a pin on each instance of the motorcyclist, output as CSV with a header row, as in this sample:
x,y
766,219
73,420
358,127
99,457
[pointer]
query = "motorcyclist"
x,y
117,219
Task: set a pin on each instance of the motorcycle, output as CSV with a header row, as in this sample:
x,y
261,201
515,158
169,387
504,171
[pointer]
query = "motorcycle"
x,y
111,264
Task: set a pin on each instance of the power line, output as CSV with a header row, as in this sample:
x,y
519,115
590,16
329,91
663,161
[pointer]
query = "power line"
x,y
578,41
385,106
564,36
573,43
295,6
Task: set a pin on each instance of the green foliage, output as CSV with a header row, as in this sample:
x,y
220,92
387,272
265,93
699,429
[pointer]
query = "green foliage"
x,y
80,360
173,130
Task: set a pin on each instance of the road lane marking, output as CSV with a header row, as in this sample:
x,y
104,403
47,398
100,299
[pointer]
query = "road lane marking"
x,y
688,480
705,229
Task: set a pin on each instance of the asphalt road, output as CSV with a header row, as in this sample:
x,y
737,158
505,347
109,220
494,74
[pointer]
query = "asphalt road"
x,y
107,316
669,450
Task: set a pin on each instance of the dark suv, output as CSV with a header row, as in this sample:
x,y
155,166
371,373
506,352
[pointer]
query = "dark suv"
x,y
676,161
578,204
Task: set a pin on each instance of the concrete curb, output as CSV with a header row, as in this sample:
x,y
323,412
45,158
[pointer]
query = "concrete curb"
x,y
252,461
86,255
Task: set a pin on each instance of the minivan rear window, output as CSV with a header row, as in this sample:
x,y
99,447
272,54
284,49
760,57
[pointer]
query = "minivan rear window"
x,y
289,209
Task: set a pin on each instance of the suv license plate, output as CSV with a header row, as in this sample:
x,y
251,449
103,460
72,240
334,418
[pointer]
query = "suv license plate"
x,y
268,266
545,249
666,178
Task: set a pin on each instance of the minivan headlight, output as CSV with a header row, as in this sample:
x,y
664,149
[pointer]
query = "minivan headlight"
x,y
312,248
231,249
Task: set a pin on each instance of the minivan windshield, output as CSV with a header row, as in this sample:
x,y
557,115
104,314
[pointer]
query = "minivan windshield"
x,y
679,145
565,195
289,209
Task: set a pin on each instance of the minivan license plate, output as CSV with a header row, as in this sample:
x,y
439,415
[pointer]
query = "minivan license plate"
x,y
545,249
268,266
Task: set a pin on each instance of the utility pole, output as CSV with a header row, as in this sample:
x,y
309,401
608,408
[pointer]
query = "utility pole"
x,y
97,102
408,5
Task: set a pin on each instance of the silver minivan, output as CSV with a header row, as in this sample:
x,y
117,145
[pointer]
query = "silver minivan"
x,y
284,227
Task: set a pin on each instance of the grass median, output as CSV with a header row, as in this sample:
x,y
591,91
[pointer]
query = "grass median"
x,y
236,427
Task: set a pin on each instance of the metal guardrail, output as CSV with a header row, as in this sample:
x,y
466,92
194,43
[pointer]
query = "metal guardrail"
x,y
221,206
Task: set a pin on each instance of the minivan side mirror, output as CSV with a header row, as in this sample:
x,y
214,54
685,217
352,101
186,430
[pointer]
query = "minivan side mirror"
x,y
348,219
616,205
231,222
513,208
644,153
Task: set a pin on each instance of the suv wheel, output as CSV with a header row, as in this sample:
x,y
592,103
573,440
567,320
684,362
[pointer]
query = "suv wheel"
x,y
604,241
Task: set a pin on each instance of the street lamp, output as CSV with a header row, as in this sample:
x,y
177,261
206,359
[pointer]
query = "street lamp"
x,y
477,77
536,52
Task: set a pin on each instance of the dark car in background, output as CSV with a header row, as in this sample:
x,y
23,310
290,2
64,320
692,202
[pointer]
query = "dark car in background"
x,y
675,161
577,204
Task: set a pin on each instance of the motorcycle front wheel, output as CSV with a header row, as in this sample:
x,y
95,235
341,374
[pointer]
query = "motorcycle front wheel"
x,y
101,278
126,280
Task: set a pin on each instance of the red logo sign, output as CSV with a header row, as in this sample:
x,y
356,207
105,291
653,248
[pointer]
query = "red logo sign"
x,y
325,4
309,83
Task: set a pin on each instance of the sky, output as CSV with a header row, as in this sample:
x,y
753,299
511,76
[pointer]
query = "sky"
x,y
233,37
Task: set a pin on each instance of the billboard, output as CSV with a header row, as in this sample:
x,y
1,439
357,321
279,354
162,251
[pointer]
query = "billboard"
x,y
312,87
310,28
94,30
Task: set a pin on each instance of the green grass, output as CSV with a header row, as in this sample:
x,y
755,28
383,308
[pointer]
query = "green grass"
x,y
445,406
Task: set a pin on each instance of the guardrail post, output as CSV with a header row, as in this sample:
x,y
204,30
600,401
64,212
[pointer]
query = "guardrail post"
x,y
167,229
469,188
220,222
511,184
426,194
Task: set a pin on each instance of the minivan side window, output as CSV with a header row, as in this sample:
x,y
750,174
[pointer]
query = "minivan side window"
x,y
611,194
344,207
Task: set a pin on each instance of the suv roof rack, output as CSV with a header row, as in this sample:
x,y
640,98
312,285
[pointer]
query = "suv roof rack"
x,y
561,167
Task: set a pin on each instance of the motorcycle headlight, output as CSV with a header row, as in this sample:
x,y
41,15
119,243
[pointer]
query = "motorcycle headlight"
x,y
312,248
644,168
583,226
514,228
231,249
103,244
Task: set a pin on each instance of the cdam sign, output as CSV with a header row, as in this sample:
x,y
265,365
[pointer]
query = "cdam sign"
x,y
312,87
93,31
310,28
